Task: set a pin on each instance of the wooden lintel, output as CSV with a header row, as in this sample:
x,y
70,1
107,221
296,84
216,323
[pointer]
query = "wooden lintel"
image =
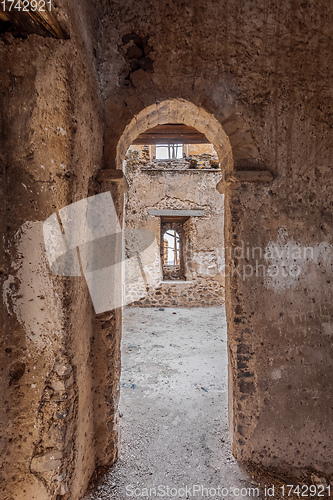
x,y
144,140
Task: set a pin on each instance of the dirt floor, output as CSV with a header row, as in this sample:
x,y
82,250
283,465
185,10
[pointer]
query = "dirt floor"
x,y
174,420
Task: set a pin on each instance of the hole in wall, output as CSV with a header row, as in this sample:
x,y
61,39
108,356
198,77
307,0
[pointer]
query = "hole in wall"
x,y
138,53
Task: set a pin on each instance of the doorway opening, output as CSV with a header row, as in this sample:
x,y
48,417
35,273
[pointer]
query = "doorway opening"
x,y
174,337
174,345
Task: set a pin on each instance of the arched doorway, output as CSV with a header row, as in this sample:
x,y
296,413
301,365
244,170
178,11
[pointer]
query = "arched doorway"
x,y
177,111
239,389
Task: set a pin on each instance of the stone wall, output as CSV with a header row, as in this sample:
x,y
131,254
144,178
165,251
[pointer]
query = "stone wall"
x,y
182,294
157,184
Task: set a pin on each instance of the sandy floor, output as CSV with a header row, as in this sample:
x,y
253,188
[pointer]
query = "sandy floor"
x,y
174,425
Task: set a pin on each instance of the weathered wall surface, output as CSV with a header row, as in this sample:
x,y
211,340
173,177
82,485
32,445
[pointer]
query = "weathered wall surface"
x,y
51,146
262,69
172,185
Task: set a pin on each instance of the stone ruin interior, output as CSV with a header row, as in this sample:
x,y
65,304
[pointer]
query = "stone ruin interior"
x,y
166,171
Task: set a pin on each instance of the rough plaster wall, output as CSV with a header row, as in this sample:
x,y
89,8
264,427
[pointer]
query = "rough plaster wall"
x,y
51,145
166,188
263,69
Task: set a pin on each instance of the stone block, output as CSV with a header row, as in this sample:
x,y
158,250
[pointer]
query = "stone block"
x,y
52,460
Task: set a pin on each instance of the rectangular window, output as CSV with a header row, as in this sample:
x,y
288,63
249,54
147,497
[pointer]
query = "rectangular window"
x,y
172,251
169,151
